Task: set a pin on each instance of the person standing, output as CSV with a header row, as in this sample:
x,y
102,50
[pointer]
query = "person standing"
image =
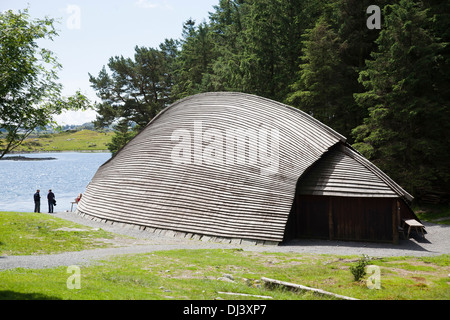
x,y
51,200
37,201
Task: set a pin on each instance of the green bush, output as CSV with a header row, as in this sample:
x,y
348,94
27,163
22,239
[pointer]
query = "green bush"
x,y
358,270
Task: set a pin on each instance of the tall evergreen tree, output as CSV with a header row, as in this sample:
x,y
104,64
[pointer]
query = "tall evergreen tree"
x,y
333,53
227,25
194,63
261,53
297,16
320,90
260,42
407,131
136,90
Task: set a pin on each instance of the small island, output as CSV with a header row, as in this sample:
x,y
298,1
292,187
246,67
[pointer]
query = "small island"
x,y
22,158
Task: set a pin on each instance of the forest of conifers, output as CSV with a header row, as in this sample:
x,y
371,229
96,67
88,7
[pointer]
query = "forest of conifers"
x,y
387,90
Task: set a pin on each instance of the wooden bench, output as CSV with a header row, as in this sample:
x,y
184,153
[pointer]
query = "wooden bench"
x,y
413,223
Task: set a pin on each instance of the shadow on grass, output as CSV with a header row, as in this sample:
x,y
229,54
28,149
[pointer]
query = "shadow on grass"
x,y
12,295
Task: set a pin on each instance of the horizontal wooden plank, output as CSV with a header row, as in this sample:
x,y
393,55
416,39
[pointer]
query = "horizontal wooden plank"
x,y
341,172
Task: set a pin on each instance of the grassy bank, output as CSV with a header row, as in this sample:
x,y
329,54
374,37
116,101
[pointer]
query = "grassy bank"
x,y
436,213
37,233
66,141
200,274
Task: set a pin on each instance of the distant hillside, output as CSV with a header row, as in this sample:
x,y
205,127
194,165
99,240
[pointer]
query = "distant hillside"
x,y
70,140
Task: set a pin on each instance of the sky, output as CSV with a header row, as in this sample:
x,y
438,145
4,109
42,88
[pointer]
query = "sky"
x,y
92,31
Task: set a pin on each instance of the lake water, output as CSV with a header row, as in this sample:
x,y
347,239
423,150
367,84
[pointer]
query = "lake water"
x,y
67,176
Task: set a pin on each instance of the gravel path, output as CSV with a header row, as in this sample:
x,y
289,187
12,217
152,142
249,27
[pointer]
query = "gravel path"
x,y
437,242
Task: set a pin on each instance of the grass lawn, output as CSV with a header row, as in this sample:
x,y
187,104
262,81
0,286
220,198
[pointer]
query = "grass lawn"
x,y
66,141
38,233
204,273
199,275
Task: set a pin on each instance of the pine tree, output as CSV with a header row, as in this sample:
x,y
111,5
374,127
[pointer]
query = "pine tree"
x,y
194,62
320,89
227,25
406,128
135,91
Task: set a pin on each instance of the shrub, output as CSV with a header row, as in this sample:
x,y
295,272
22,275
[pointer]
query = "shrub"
x,y
358,270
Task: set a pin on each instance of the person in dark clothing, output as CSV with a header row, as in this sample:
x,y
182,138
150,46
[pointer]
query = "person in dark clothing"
x,y
37,202
51,200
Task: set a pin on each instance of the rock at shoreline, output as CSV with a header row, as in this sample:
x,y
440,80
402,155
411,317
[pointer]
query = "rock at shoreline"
x,y
22,158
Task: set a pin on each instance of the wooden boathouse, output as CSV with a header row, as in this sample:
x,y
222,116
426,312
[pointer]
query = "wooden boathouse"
x,y
236,167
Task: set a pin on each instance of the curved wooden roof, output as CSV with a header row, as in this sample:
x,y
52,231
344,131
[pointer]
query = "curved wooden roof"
x,y
185,172
344,172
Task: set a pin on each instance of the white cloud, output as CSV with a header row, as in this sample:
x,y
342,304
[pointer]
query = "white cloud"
x,y
75,117
147,4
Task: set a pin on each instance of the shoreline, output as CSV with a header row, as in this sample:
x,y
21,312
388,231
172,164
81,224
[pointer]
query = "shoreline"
x,y
58,151
22,158
17,156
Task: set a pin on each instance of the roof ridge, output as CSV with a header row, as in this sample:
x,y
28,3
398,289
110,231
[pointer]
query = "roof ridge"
x,y
256,97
